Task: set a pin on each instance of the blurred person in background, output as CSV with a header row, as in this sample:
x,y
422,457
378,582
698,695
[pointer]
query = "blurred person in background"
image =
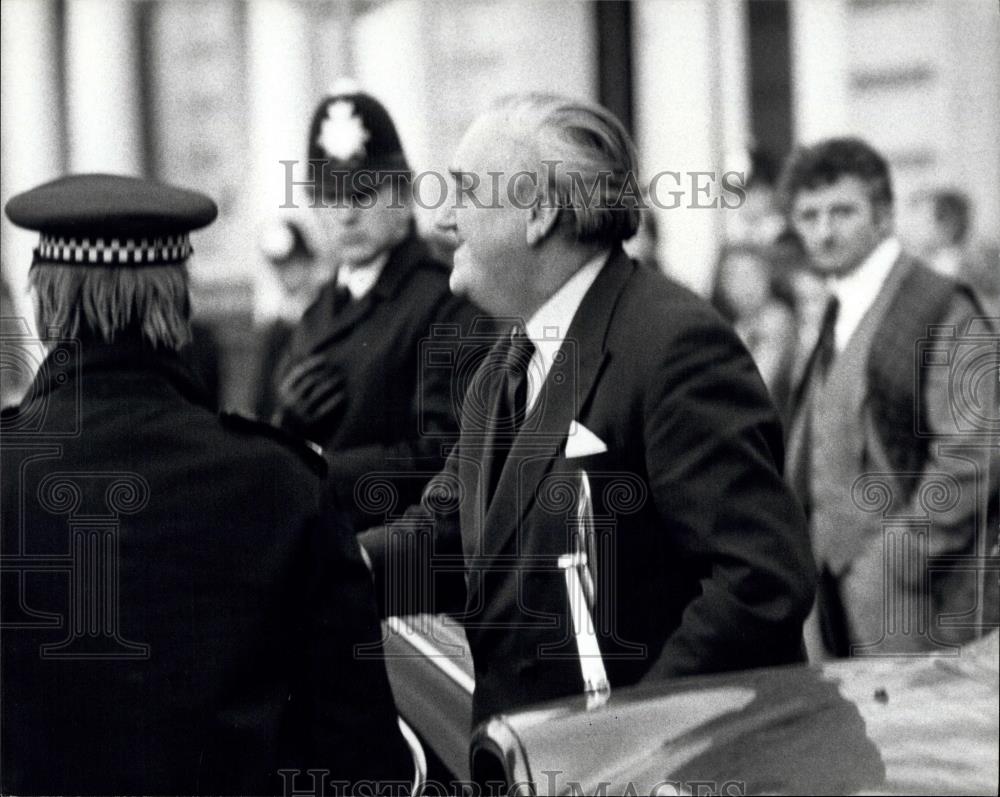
x,y
293,262
214,594
352,379
940,233
858,408
758,220
749,295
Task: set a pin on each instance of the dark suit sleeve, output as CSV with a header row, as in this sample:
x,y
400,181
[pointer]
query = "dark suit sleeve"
x,y
417,560
344,699
955,407
950,399
714,455
434,413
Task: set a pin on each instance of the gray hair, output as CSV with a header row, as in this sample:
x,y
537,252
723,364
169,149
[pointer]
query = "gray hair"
x,y
73,301
589,158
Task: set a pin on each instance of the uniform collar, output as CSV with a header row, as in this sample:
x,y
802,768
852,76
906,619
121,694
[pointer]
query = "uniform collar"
x,y
70,361
400,262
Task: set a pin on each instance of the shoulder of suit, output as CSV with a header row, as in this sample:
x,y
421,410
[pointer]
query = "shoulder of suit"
x,y
310,453
930,297
665,308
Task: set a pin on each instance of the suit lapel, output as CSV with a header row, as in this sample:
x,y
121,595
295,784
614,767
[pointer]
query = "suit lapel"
x,y
349,316
532,454
847,373
401,262
563,396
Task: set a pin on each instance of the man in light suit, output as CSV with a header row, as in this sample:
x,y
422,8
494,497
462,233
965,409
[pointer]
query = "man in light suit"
x,y
894,424
701,561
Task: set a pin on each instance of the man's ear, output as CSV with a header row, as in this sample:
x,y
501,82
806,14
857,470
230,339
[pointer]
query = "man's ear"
x,y
543,217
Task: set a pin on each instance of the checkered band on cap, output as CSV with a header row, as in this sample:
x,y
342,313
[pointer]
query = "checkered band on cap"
x,y
169,250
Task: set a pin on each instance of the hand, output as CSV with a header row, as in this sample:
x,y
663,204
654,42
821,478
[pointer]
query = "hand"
x,y
311,396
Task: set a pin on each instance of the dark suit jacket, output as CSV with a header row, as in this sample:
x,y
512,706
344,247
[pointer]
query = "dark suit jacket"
x,y
703,559
180,603
398,413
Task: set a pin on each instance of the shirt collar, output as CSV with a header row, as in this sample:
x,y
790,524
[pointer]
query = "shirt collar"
x,y
550,324
359,280
552,319
858,290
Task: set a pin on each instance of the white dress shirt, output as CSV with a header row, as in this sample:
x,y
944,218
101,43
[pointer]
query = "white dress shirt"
x,y
858,290
550,323
359,280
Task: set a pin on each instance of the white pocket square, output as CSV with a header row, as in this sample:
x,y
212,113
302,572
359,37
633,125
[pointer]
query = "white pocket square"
x,y
582,442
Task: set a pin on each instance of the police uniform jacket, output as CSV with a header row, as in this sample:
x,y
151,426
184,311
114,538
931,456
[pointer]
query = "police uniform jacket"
x,y
399,413
181,604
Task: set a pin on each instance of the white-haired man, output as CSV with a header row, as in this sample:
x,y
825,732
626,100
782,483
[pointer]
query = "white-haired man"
x,y
180,601
700,561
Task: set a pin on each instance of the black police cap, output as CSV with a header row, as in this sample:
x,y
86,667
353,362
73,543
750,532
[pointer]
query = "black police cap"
x,y
111,220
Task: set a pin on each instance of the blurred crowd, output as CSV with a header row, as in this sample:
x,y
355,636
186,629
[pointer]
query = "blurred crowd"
x,y
764,285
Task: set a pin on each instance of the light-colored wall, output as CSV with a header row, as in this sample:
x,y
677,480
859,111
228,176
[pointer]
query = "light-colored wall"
x,y
692,115
104,113
436,65
240,99
918,79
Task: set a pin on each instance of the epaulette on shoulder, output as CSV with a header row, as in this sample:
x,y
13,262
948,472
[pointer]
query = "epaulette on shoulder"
x,y
309,452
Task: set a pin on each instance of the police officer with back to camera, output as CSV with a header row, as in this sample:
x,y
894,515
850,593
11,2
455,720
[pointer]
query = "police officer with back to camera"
x,y
181,602
352,379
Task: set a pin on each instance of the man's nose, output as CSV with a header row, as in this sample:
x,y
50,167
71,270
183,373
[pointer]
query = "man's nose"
x,y
824,227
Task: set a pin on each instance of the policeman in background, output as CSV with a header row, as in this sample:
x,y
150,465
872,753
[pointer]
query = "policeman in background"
x,y
181,604
353,378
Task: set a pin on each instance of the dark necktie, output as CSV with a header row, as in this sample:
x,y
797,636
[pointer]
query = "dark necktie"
x,y
826,346
512,401
341,298
833,623
821,357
